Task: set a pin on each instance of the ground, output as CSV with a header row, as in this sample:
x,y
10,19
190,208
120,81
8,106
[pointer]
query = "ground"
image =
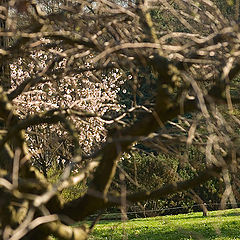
x,y
219,225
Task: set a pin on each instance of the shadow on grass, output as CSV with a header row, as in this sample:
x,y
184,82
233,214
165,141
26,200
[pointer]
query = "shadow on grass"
x,y
173,218
209,216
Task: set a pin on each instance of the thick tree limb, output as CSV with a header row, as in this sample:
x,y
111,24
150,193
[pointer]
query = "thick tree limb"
x,y
60,231
74,208
202,177
165,110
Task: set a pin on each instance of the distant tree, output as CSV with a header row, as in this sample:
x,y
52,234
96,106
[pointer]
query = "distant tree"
x,y
69,62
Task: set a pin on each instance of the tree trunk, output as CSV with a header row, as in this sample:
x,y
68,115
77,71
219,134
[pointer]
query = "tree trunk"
x,y
5,80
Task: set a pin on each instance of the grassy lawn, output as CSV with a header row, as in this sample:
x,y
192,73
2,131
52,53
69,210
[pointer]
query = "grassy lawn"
x,y
219,225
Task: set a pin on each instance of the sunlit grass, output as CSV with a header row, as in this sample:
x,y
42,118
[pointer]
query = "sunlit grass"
x,y
219,225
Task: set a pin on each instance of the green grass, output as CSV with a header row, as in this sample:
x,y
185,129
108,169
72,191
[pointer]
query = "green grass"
x,y
219,225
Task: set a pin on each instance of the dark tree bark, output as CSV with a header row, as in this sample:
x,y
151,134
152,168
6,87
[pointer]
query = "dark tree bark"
x,y
5,80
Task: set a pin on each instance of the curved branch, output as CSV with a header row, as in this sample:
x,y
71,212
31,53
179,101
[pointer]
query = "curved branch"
x,y
50,117
102,202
